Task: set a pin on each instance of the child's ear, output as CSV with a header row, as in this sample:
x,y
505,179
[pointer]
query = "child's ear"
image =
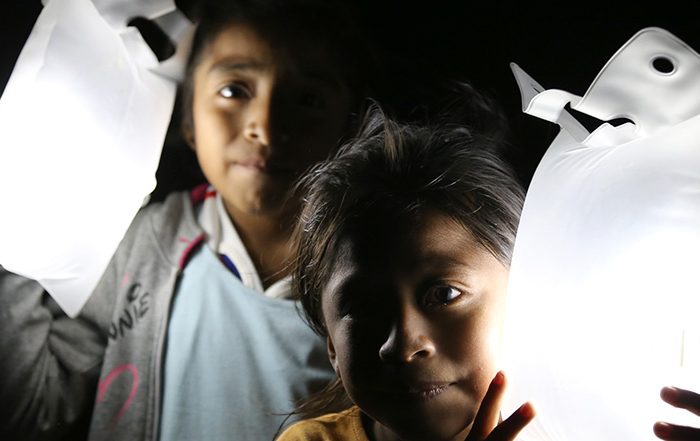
x,y
331,355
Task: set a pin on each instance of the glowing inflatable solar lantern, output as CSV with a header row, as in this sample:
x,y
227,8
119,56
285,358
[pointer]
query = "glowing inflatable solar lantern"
x,y
604,294
82,124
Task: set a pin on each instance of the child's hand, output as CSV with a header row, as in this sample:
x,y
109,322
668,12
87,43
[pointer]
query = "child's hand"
x,y
486,426
683,399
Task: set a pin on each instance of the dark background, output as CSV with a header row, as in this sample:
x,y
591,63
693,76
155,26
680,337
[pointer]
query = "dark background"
x,y
561,46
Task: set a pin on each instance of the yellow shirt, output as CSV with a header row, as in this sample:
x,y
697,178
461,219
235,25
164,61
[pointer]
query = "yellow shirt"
x,y
342,426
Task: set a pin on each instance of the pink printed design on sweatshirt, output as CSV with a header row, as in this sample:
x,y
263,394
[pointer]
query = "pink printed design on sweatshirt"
x,y
125,280
107,382
191,247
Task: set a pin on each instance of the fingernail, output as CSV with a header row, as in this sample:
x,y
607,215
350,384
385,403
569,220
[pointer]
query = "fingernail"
x,y
526,411
669,393
662,430
499,378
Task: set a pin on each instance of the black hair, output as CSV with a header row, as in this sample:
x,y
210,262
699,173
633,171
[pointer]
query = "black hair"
x,y
331,23
393,171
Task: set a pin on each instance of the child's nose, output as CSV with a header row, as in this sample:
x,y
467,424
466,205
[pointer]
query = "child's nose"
x,y
408,340
257,123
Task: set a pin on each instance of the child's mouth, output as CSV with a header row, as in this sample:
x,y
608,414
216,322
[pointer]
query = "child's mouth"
x,y
427,392
258,164
264,166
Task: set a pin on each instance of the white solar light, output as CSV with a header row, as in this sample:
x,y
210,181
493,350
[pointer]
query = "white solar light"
x,y
603,303
82,123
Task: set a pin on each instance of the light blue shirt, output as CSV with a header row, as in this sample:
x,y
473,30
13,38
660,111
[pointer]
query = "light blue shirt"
x,y
236,361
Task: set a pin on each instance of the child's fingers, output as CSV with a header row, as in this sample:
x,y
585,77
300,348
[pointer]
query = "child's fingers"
x,y
672,432
511,426
681,398
488,413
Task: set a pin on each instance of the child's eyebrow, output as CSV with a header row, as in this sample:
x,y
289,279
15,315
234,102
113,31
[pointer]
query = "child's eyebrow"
x,y
325,78
442,260
229,66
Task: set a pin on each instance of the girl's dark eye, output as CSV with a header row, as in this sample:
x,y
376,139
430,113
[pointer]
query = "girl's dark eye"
x,y
365,305
234,92
312,100
357,308
440,295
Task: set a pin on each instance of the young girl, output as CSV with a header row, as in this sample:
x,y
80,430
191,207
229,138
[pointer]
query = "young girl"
x,y
402,265
403,251
192,331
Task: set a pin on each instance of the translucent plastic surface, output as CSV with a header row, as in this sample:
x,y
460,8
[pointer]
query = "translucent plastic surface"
x,y
603,303
82,123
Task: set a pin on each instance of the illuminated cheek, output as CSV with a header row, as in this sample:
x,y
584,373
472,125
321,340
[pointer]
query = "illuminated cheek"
x,y
481,343
484,360
495,320
494,339
214,125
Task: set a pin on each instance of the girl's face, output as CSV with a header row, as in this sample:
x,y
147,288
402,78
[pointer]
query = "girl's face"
x,y
262,116
414,317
